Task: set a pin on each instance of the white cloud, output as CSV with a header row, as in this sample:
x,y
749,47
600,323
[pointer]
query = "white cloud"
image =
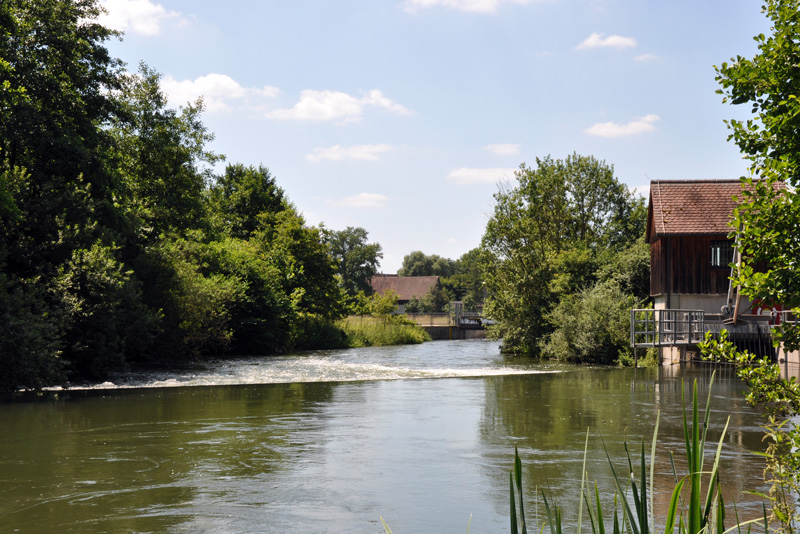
x,y
645,57
475,6
357,152
465,176
362,200
596,40
219,91
503,149
334,105
634,127
138,16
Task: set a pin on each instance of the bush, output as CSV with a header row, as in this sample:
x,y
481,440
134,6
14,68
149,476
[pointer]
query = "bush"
x,y
592,326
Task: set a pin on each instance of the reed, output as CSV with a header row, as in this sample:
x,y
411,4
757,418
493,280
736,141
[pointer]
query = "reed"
x,y
696,504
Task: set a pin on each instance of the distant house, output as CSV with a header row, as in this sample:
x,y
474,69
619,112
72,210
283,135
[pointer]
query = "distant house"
x,y
405,286
688,224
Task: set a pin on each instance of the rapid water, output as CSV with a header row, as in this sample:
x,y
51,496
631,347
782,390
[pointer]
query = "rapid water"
x,y
329,441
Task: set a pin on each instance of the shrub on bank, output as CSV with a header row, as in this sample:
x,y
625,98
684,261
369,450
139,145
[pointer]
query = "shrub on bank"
x,y
373,332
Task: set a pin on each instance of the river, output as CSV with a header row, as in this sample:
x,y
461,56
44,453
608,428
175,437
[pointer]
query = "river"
x,y
327,442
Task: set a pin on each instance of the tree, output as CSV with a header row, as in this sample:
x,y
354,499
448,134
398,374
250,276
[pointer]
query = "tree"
x,y
160,155
417,263
767,221
383,305
546,239
466,282
307,270
357,260
240,195
766,227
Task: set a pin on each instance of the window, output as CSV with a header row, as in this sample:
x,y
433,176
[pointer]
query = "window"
x,y
721,254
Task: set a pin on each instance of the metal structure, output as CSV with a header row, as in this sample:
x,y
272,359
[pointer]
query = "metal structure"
x,y
660,328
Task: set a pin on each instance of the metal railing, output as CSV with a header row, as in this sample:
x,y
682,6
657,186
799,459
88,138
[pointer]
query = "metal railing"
x,y
657,328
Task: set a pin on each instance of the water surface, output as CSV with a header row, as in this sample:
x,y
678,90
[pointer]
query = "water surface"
x,y
329,441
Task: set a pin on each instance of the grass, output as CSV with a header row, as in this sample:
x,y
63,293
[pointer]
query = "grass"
x,y
370,331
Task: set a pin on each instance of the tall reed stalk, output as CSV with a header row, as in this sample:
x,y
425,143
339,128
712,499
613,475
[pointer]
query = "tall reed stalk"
x,y
692,509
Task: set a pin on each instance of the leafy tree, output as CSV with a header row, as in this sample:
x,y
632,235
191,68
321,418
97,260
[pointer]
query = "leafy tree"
x,y
414,305
308,272
357,259
767,220
417,263
383,305
433,301
592,325
466,282
160,156
546,240
766,228
241,195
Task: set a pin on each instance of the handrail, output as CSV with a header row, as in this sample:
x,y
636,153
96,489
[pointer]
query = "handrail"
x,y
655,328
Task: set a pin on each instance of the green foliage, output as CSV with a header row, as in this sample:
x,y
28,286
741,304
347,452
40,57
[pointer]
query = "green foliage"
x,y
779,399
435,300
765,227
357,260
766,222
466,282
159,155
375,332
414,305
558,244
592,325
769,83
107,320
117,242
239,198
298,252
383,305
417,263
197,303
33,325
314,332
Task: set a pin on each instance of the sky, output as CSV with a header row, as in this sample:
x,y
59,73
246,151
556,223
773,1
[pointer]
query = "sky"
x,y
404,116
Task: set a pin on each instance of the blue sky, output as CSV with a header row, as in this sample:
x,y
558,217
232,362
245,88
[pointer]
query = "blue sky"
x,y
401,116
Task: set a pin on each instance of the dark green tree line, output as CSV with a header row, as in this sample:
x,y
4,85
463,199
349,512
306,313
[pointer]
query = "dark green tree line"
x,y
119,243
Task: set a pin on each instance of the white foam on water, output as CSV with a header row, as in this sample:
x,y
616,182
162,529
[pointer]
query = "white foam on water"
x,y
307,370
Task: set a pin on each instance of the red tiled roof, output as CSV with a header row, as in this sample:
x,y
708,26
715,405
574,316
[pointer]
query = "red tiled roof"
x,y
405,286
692,206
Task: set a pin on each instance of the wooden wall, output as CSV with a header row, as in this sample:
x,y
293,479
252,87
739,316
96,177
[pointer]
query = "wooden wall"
x,y
682,264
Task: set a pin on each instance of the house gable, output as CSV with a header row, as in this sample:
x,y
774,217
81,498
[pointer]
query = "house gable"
x,y
405,286
688,223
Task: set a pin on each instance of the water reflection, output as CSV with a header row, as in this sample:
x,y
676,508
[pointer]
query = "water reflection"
x,y
333,456
550,414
